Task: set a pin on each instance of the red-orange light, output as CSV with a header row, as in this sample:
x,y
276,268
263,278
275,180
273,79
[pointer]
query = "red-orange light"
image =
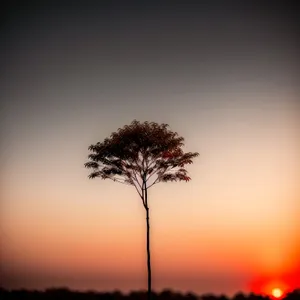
x,y
277,293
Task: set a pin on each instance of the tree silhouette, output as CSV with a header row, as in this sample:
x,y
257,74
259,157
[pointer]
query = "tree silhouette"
x,y
141,155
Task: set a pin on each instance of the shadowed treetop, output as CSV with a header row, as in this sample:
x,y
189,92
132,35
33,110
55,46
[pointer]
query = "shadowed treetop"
x,y
139,151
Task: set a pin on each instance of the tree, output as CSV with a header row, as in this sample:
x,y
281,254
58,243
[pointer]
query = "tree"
x,y
141,155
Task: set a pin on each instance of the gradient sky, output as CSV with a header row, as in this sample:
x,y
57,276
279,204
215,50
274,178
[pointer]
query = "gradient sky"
x,y
222,75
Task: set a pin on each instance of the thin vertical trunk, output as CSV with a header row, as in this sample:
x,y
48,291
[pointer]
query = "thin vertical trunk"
x,y
148,245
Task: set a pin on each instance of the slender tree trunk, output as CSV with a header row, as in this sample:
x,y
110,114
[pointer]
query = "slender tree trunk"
x,y
148,246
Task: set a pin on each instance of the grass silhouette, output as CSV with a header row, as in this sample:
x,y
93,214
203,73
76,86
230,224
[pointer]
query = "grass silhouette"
x,y
65,293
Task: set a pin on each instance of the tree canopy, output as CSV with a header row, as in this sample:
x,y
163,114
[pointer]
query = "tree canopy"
x,y
140,154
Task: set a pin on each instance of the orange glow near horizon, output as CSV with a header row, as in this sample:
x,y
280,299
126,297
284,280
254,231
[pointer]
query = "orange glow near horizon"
x,y
284,277
277,287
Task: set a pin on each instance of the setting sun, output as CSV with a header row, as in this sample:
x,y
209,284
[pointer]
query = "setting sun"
x,y
277,293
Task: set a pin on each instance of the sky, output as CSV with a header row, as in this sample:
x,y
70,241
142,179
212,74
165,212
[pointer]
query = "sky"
x,y
221,74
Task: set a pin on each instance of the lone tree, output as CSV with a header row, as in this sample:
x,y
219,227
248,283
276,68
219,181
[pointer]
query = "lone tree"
x,y
141,155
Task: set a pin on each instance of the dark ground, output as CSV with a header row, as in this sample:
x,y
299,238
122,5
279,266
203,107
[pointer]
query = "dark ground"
x,y
65,293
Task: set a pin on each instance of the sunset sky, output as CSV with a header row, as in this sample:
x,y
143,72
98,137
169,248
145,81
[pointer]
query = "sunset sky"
x,y
223,76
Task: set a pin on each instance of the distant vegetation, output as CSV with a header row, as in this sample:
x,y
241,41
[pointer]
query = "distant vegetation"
x,y
65,293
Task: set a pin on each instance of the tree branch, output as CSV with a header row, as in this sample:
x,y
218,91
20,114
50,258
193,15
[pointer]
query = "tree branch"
x,y
155,181
136,179
151,175
138,191
161,175
143,198
118,180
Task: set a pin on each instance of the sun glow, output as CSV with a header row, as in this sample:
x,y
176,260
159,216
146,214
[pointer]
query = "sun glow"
x,y
277,293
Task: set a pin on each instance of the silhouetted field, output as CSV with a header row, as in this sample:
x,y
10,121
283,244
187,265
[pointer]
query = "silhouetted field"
x,y
65,293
